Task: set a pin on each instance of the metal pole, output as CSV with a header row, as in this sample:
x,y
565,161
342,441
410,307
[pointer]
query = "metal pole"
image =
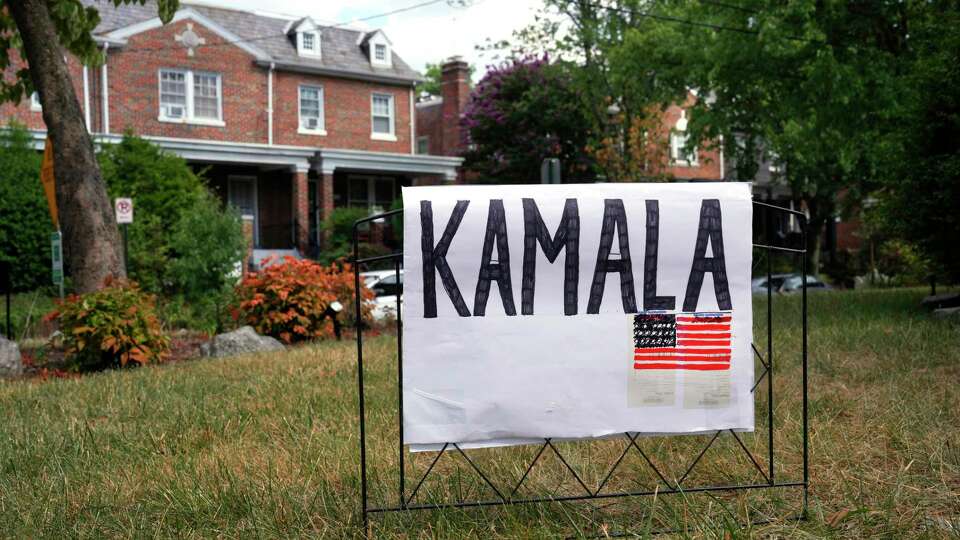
x,y
126,251
769,349
363,430
400,380
803,273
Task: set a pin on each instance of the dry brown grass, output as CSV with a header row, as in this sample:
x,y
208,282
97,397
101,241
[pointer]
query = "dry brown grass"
x,y
267,446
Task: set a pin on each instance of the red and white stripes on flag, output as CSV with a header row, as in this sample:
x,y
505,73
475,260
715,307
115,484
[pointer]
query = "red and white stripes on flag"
x,y
694,341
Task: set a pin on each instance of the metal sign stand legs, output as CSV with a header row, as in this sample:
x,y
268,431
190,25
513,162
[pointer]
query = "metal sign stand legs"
x,y
504,497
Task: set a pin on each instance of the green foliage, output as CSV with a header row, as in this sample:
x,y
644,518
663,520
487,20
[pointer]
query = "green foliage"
x,y
74,21
918,195
288,298
209,248
113,327
338,231
905,262
521,113
25,224
164,189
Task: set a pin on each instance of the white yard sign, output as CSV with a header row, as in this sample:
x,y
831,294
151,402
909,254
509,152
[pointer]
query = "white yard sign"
x,y
575,311
124,210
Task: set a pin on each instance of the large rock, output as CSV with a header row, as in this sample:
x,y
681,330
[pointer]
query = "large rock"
x,y
244,340
11,365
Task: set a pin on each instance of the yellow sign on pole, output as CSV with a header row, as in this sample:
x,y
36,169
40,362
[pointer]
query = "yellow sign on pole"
x,y
49,185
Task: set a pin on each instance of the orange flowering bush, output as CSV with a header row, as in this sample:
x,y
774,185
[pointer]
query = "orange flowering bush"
x,y
288,298
113,327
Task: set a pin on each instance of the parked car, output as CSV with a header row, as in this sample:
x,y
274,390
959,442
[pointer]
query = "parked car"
x,y
759,285
385,286
794,283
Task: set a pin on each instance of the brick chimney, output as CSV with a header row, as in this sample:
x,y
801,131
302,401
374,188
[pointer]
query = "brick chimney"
x,y
455,91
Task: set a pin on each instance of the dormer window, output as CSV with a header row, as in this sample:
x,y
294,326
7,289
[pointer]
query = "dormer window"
x,y
305,33
308,43
377,47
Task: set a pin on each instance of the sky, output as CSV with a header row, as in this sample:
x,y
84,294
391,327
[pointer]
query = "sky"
x,y
424,34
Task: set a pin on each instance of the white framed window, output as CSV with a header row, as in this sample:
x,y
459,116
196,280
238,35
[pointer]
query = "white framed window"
x,y
679,154
191,97
423,144
308,43
35,104
311,110
382,117
380,51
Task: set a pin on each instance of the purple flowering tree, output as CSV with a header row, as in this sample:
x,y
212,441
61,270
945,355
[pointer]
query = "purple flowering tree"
x,y
520,113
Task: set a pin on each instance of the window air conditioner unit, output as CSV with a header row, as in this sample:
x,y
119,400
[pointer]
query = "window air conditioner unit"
x,y
175,112
312,123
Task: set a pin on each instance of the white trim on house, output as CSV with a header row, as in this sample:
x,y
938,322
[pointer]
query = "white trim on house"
x,y
391,117
270,105
299,158
413,124
120,35
35,104
189,113
105,89
320,128
86,98
359,160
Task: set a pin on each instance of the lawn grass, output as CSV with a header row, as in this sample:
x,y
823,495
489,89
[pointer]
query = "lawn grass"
x,y
26,313
266,446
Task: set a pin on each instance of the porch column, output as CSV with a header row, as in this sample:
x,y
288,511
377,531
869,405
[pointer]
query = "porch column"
x,y
325,189
301,209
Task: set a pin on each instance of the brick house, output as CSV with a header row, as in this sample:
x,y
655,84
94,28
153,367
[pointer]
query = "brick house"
x,y
289,118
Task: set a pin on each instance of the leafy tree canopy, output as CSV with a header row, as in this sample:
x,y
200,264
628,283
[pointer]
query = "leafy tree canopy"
x,y
520,113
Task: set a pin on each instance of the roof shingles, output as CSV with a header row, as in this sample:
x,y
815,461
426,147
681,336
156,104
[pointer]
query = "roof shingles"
x,y
340,51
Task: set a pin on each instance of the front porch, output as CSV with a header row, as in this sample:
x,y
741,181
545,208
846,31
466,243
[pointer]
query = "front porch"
x,y
285,205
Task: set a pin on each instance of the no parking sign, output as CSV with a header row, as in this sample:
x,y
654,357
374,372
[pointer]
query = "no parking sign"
x,y
123,207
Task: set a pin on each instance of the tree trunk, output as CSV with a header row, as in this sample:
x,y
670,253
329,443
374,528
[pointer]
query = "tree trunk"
x,y
90,238
820,211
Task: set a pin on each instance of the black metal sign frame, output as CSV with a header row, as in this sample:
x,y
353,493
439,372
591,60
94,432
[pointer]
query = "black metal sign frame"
x,y
406,500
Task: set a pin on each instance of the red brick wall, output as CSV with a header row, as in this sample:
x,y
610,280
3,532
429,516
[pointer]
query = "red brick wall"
x,y
22,113
347,114
430,125
134,86
708,158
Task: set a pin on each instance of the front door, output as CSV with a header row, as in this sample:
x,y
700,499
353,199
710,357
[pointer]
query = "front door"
x,y
242,195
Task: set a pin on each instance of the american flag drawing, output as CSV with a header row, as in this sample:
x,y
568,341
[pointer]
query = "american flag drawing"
x,y
698,341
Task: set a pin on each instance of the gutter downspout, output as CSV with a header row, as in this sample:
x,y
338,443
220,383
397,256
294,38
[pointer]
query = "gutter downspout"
x,y
413,123
105,91
270,104
86,98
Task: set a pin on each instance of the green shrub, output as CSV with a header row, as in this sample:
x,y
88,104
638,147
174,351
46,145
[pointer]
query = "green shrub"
x,y
287,299
163,188
116,326
338,231
905,262
25,224
209,248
